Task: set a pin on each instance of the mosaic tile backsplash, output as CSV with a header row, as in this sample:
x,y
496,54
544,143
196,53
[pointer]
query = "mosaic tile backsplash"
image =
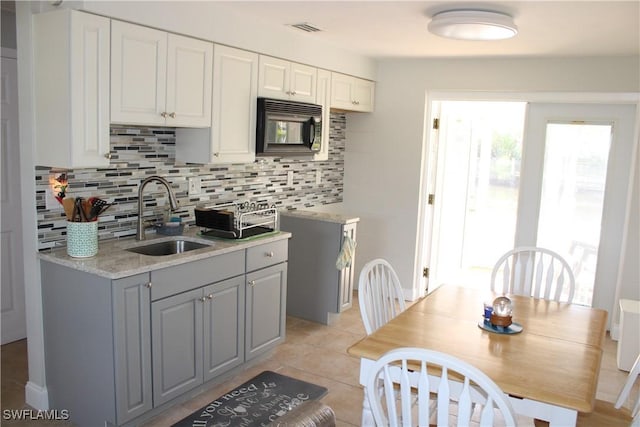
x,y
138,152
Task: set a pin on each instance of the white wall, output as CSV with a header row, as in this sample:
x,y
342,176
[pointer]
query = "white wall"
x,y
210,20
384,150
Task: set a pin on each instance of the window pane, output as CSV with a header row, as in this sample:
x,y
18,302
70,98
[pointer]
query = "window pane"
x,y
574,175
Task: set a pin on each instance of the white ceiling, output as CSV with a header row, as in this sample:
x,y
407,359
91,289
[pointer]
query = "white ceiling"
x,y
382,29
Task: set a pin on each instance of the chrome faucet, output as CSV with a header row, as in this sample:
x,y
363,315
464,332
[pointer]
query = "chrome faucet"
x,y
172,201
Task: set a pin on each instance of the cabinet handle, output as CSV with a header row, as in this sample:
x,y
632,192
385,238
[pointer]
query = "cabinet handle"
x,y
288,92
148,285
216,154
107,156
164,114
293,93
172,115
268,254
210,296
203,299
252,282
357,102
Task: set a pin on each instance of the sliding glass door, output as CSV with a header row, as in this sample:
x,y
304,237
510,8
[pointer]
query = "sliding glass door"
x,y
560,182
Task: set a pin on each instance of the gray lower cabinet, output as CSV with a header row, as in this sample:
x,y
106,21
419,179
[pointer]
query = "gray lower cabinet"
x,y
266,309
317,290
132,346
117,349
223,327
197,335
97,337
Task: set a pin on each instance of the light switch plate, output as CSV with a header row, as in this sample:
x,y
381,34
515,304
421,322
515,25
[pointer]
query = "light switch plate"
x,y
195,185
50,201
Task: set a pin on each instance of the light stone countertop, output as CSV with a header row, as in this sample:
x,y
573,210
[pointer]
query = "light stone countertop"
x,y
113,261
335,217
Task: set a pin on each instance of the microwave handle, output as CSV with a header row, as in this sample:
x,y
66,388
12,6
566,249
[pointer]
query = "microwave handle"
x,y
310,131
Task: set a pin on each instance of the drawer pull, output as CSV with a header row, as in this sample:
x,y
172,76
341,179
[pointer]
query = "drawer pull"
x,y
148,285
268,254
203,299
252,282
210,296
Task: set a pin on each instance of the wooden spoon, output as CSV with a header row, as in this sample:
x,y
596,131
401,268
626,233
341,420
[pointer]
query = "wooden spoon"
x,y
68,203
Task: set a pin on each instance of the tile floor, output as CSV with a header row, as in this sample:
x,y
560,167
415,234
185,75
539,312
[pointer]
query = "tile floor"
x,y
312,352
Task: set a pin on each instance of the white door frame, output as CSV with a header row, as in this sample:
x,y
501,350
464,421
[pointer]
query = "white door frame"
x,y
14,326
632,98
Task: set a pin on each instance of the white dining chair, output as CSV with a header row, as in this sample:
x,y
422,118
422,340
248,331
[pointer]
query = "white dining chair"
x,y
634,373
379,294
399,385
615,414
536,272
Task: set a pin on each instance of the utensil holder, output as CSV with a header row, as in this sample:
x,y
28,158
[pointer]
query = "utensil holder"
x,y
82,239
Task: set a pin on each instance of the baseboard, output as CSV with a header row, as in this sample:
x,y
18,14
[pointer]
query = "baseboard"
x,y
36,396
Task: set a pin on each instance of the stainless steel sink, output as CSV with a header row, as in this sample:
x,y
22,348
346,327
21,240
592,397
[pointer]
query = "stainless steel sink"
x,y
169,247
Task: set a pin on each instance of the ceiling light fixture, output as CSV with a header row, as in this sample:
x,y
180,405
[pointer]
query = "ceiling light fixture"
x,y
473,25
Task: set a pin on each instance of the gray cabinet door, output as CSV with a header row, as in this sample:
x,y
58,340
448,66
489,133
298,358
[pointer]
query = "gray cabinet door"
x,y
223,326
176,345
266,302
132,346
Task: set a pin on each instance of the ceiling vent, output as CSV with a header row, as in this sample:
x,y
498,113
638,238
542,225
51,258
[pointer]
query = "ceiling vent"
x,y
305,26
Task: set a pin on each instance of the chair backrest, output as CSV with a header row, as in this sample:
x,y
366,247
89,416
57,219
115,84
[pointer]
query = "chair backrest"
x,y
379,294
458,386
536,272
634,373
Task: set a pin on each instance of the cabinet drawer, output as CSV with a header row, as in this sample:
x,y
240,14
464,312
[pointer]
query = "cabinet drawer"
x,y
173,280
265,255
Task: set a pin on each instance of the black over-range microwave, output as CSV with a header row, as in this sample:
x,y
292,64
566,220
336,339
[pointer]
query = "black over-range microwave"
x,y
288,128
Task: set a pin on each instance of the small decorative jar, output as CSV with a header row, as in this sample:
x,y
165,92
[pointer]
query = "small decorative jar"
x,y
502,311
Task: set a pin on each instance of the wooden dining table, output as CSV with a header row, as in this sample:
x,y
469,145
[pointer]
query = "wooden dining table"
x,y
549,370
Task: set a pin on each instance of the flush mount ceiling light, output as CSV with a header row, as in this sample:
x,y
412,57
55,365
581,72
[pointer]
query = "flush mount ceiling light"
x,y
473,25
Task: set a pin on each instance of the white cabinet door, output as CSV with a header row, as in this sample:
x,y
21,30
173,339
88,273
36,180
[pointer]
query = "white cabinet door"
x,y
71,80
159,78
232,136
341,91
363,94
351,93
302,85
274,78
282,79
324,99
189,67
138,74
234,107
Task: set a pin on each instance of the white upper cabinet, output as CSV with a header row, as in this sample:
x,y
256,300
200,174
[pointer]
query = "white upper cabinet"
x,y
282,79
232,137
158,78
324,99
351,93
71,86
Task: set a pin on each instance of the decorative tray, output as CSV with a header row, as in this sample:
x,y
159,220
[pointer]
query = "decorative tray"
x,y
514,328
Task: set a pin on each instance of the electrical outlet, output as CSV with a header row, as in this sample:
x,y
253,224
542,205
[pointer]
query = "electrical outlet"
x,y
50,201
195,186
289,178
318,177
